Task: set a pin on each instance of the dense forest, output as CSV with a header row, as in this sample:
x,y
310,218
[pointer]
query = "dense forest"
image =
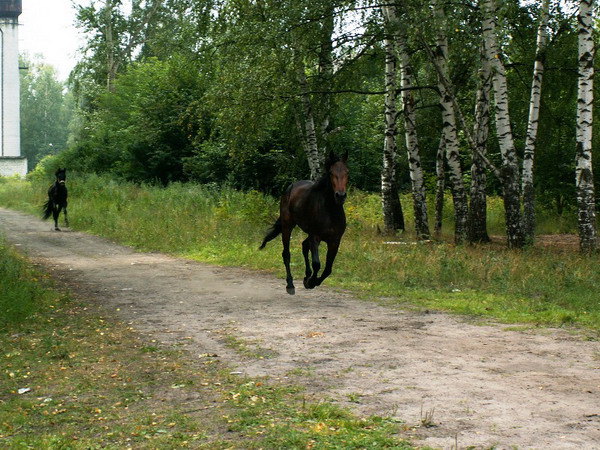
x,y
473,98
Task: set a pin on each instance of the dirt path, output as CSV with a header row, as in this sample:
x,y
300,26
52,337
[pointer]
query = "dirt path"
x,y
484,385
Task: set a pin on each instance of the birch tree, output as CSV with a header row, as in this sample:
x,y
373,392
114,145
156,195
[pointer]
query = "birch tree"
x,y
449,129
440,182
326,72
532,125
114,36
477,223
309,131
315,127
510,164
389,195
584,177
398,46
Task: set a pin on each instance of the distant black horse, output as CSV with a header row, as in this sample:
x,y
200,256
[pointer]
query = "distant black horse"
x,y
318,209
57,199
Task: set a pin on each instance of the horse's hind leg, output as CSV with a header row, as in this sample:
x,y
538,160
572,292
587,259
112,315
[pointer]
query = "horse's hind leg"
x,y
285,238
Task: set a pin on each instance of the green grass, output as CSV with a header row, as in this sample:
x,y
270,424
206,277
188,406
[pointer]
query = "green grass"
x,y
94,383
21,296
541,286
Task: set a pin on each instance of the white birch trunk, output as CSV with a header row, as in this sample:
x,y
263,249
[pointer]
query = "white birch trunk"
x,y
450,131
389,146
585,96
477,228
315,161
532,125
399,46
440,174
110,47
326,76
510,165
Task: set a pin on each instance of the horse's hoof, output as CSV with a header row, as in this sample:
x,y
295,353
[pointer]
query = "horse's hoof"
x,y
291,290
57,229
305,282
310,283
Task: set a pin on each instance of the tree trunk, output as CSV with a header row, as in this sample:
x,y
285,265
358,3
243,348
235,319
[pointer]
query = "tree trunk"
x,y
389,194
315,161
111,65
585,96
326,71
532,126
450,132
400,47
440,187
477,224
397,212
510,165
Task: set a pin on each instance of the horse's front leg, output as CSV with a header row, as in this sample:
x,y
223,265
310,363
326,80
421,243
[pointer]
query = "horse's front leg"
x,y
305,250
55,215
66,217
316,264
332,249
285,238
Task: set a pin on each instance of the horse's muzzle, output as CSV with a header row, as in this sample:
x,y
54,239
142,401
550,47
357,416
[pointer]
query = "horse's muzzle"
x,y
340,197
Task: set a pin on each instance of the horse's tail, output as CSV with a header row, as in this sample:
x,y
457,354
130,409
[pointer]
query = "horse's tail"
x,y
47,208
273,232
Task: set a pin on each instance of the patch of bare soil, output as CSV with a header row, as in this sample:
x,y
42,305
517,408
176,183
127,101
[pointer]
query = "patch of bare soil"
x,y
477,385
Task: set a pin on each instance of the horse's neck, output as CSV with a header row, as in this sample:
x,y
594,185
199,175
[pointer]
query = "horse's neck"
x,y
58,187
323,186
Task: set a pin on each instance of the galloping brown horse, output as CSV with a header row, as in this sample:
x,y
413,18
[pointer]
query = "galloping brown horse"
x,y
318,209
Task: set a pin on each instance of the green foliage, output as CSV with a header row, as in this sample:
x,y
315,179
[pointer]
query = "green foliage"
x,y
210,92
147,126
221,104
46,112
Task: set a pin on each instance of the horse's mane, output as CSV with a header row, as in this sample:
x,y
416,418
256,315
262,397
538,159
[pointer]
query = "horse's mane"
x,y
324,182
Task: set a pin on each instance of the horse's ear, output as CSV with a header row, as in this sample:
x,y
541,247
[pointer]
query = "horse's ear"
x,y
345,157
331,159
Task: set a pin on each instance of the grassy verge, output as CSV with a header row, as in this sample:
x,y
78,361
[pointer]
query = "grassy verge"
x,y
21,295
71,378
538,285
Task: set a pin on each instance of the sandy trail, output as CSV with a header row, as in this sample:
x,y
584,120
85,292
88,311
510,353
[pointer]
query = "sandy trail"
x,y
485,385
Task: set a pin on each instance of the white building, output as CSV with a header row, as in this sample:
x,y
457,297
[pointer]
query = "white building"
x,y
11,161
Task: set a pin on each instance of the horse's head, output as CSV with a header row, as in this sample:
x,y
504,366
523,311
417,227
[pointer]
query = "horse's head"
x,y
61,175
338,175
